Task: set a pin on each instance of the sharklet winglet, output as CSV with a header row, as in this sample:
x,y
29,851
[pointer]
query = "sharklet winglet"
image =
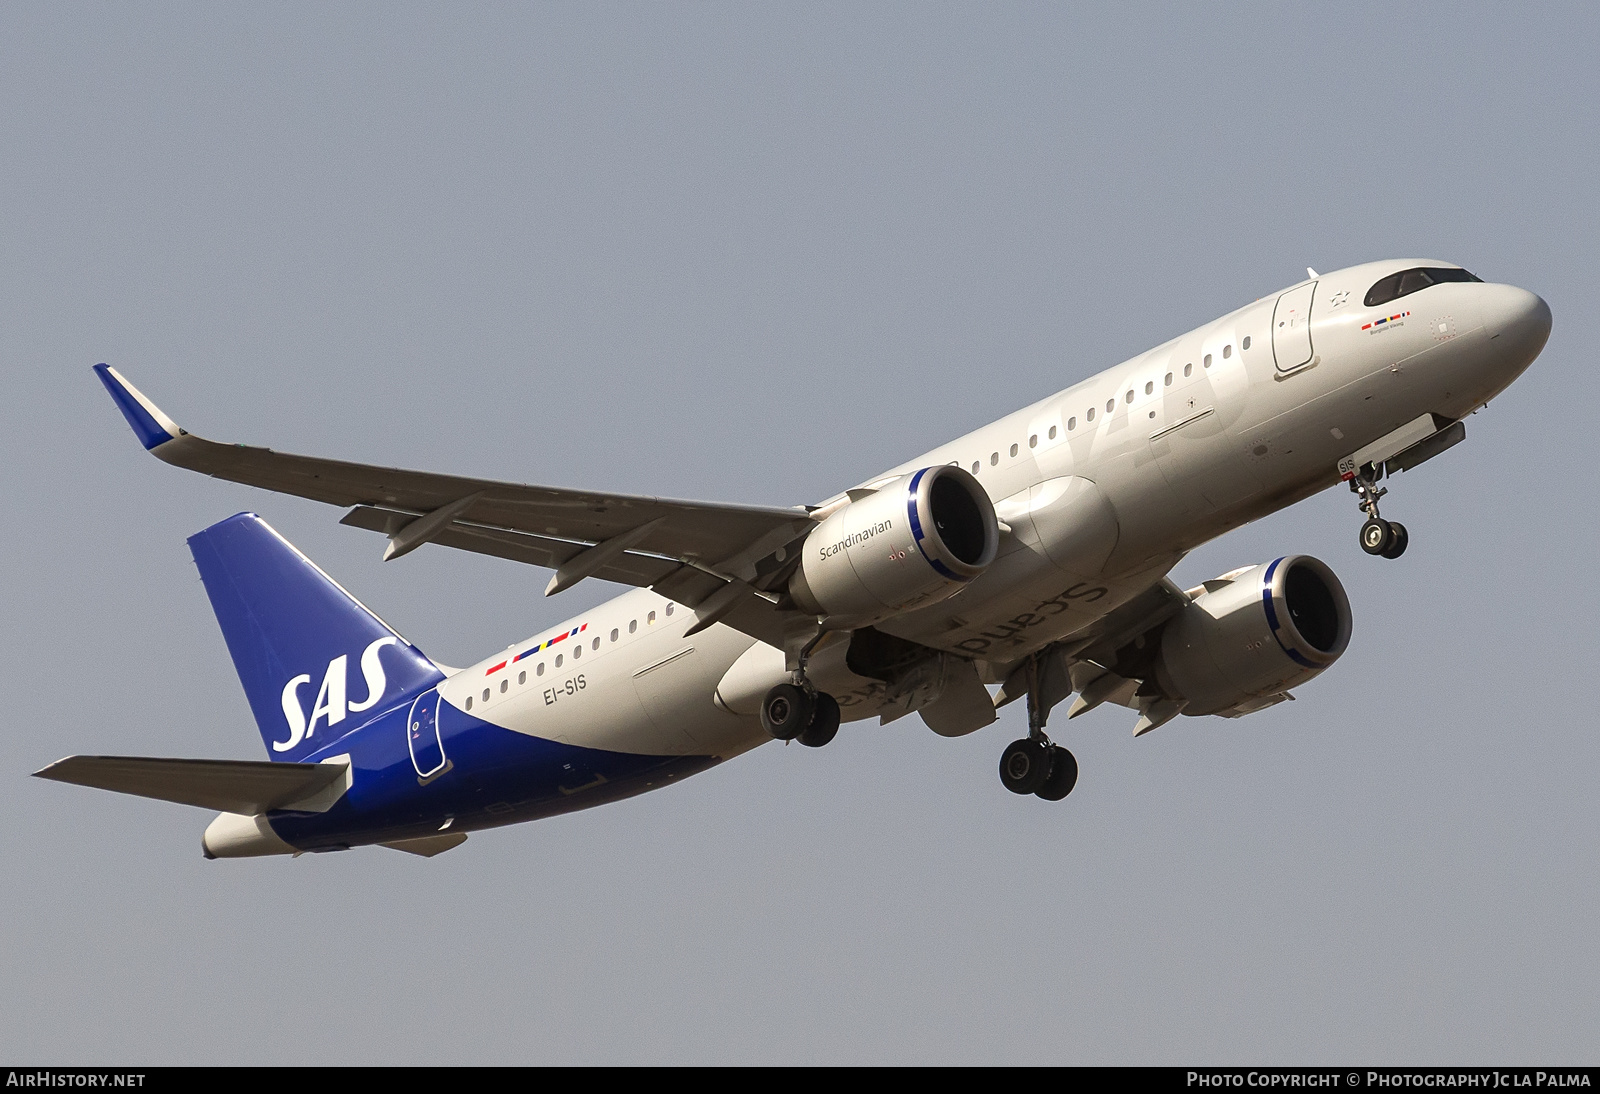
x,y
150,424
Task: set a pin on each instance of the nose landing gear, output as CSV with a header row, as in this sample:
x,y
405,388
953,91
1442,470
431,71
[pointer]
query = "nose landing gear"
x,y
1035,765
1378,536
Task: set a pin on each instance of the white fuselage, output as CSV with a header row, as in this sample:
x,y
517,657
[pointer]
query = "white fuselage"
x,y
1103,487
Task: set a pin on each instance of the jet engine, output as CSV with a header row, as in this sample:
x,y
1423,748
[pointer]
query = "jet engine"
x,y
1249,637
916,540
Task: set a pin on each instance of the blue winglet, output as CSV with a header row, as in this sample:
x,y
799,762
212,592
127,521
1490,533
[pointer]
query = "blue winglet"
x,y
150,425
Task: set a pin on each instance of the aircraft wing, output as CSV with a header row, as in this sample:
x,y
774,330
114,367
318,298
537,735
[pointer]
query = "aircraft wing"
x,y
693,552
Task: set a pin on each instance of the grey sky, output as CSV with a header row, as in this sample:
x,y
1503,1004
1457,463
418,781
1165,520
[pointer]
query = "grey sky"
x,y
758,253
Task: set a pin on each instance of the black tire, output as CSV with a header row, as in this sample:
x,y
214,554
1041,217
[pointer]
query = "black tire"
x,y
786,711
1024,766
1376,536
1063,775
1400,539
824,722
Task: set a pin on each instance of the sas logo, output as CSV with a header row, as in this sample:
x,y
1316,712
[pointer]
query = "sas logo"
x,y
331,703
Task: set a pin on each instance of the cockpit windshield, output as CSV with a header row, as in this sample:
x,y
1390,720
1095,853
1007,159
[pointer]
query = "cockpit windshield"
x,y
1409,281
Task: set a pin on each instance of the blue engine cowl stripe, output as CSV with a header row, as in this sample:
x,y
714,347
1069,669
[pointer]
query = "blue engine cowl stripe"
x,y
916,530
1272,616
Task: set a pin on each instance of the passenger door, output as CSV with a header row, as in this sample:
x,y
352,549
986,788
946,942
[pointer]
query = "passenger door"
x,y
1291,328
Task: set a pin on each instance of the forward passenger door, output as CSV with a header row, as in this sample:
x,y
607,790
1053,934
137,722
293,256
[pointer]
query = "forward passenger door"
x,y
1291,328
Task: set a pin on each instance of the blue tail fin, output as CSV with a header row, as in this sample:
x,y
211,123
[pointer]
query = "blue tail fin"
x,y
297,639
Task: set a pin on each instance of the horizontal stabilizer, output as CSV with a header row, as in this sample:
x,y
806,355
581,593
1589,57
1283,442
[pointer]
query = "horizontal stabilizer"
x,y
229,786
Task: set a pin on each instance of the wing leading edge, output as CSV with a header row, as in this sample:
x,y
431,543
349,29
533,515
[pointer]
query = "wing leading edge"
x,y
726,557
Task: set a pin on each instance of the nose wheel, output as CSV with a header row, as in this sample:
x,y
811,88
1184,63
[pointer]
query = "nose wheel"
x,y
1387,538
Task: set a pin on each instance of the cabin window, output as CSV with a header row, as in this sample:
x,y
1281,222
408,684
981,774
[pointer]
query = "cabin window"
x,y
538,669
1072,423
1033,441
1168,381
1053,431
613,634
522,677
577,651
505,686
1227,352
975,466
1088,415
1149,387
485,695
595,644
633,625
1207,361
650,619
1013,451
1130,395
1111,404
558,660
469,702
1188,370
994,458
669,608
1246,343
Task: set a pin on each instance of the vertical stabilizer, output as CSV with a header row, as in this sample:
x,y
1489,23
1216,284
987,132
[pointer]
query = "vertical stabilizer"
x,y
314,661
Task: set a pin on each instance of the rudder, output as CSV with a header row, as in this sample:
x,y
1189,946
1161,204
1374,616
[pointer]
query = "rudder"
x,y
296,637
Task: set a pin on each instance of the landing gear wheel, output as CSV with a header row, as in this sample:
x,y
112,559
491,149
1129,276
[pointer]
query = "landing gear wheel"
x,y
786,711
824,722
1025,766
1377,536
1063,775
1399,540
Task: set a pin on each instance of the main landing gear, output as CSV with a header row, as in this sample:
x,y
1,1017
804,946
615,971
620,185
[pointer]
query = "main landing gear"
x,y
1035,765
1378,536
795,712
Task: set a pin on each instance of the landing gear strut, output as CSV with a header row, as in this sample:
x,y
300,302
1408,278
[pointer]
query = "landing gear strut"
x,y
797,711
1034,765
1378,536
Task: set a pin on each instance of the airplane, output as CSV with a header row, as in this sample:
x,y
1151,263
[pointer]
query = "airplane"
x,y
1029,557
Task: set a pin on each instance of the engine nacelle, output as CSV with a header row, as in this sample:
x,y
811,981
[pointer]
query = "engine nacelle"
x,y
1271,628
916,540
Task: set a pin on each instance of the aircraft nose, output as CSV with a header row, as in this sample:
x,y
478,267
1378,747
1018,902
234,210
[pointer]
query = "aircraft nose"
x,y
1517,318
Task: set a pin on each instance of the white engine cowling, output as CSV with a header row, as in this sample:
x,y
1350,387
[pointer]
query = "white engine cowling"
x,y
916,540
1271,628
